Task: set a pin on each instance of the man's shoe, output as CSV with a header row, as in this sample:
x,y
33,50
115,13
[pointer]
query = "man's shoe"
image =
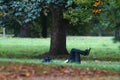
x,y
66,61
47,59
88,51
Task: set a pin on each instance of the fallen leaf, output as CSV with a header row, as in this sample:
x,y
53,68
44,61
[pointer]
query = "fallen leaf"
x,y
45,72
27,74
2,67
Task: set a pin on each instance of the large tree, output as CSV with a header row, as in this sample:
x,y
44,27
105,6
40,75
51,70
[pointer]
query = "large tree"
x,y
25,11
59,23
59,26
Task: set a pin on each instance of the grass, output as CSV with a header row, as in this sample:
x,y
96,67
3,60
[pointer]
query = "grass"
x,y
103,48
103,65
23,48
105,53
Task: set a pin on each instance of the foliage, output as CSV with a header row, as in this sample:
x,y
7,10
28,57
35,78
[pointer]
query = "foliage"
x,y
22,11
78,12
113,11
27,10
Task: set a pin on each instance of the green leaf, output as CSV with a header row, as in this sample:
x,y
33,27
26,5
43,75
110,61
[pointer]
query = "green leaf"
x,y
18,14
27,20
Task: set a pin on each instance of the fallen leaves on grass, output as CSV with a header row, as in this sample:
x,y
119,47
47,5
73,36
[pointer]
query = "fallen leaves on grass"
x,y
28,71
2,67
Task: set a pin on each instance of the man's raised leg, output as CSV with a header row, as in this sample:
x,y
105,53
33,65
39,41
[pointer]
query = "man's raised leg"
x,y
77,58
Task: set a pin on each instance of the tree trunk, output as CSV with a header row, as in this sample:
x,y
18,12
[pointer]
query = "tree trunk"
x,y
25,30
117,32
4,34
44,26
58,36
99,31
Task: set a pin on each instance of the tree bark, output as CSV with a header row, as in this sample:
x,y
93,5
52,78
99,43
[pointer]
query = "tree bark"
x,y
4,33
58,36
25,30
117,32
99,31
44,26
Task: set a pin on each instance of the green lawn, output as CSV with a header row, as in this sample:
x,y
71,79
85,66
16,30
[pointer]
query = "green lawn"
x,y
102,65
103,48
105,53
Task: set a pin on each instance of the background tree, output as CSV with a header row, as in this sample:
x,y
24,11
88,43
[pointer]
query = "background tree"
x,y
109,15
22,12
44,21
113,11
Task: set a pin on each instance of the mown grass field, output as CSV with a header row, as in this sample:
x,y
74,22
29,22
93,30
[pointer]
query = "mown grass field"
x,y
103,48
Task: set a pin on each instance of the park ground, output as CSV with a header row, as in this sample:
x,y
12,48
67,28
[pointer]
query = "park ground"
x,y
25,71
17,61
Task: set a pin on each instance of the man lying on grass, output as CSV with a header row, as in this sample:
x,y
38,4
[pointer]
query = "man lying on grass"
x,y
75,55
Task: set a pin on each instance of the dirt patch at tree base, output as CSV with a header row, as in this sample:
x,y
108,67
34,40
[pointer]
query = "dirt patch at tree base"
x,y
54,56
